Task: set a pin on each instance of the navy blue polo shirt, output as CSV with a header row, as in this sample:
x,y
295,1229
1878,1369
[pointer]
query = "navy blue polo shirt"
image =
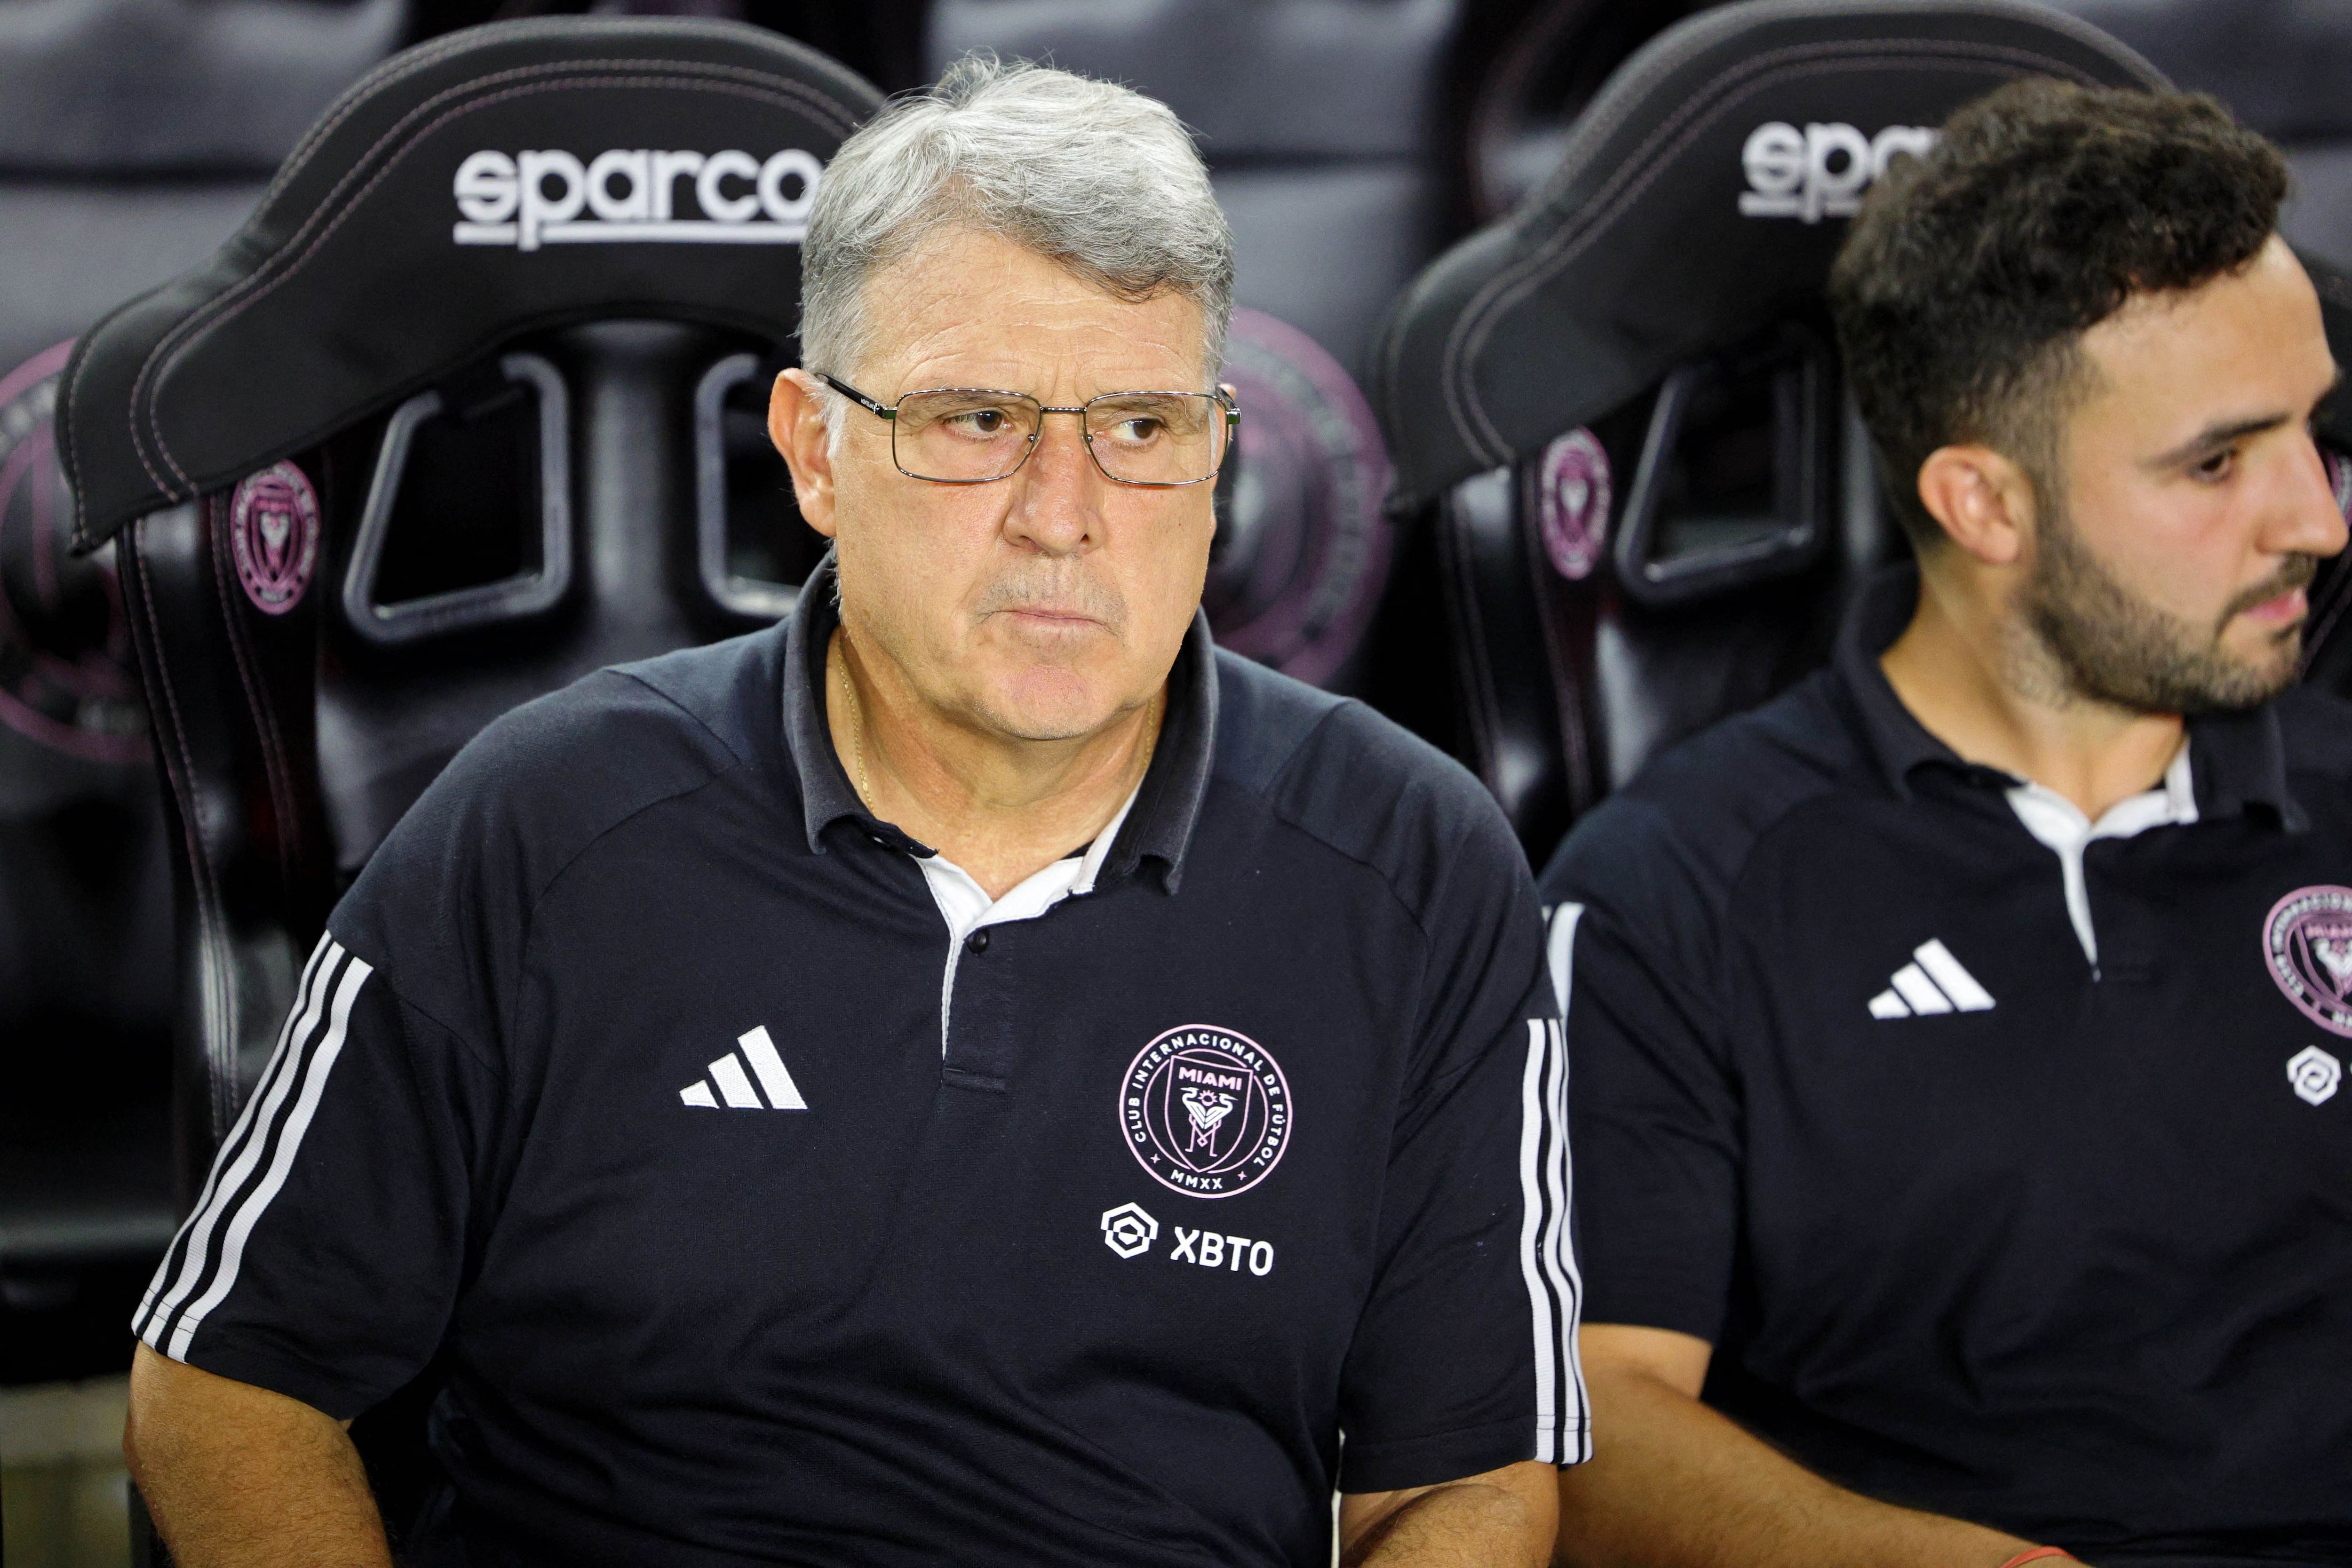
x,y
756,1219
2001,1155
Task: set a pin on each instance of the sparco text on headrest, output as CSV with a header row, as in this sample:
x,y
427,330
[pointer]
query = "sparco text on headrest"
x,y
635,195
1822,171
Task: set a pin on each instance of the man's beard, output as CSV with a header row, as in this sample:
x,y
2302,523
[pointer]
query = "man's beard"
x,y
2111,645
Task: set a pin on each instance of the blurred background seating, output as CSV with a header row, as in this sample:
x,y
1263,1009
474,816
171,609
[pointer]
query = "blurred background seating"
x,y
134,136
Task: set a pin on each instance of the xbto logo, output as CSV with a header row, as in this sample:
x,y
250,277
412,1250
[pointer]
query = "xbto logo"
x,y
1819,172
633,194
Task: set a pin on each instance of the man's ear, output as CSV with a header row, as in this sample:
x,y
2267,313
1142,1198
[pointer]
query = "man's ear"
x,y
1983,500
796,426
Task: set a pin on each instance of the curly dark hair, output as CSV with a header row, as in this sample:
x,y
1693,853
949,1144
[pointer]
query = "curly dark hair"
x,y
1963,291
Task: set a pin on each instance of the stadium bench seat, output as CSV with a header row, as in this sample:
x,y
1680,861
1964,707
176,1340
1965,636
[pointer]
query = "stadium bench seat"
x,y
134,136
423,443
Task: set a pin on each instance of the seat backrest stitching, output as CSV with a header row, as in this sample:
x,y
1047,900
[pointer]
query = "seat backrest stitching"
x,y
1503,303
1475,325
219,1009
275,765
1583,146
1636,175
409,62
679,75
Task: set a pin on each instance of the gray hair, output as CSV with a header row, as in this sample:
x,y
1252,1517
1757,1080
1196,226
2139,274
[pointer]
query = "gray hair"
x,y
1087,174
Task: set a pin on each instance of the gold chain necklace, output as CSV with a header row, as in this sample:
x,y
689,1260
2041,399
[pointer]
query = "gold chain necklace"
x,y
856,728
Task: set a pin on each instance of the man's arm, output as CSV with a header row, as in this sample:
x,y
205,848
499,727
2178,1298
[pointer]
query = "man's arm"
x,y
239,1477
1674,1484
1503,1519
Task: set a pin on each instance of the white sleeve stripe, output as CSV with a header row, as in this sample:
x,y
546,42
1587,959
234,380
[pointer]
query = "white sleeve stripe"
x,y
1562,1259
232,1167
1559,951
289,1142
1555,1219
186,1256
1531,1219
1574,1403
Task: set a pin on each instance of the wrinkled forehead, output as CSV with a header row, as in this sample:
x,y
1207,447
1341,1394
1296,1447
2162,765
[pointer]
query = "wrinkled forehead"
x,y
968,308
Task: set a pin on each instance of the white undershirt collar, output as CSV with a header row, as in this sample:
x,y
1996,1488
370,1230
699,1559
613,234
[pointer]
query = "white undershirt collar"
x,y
2061,824
966,907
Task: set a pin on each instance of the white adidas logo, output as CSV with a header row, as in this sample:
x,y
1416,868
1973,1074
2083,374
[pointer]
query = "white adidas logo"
x,y
1936,983
735,1086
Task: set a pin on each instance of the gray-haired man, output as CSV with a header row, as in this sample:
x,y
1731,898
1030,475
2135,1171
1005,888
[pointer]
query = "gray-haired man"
x,y
971,1074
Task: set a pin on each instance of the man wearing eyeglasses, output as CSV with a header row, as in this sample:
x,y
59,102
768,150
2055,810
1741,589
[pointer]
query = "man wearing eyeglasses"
x,y
972,1075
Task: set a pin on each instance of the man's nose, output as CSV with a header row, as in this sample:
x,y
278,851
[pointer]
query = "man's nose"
x,y
2309,521
1057,495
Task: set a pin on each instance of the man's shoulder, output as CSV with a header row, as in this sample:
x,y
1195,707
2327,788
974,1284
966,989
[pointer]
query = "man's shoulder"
x,y
601,749
1358,782
1685,826
547,779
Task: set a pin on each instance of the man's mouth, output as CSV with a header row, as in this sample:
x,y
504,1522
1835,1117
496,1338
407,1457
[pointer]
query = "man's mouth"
x,y
2281,603
2284,610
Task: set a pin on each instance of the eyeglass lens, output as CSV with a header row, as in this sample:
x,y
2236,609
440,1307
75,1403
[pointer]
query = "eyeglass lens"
x,y
1142,438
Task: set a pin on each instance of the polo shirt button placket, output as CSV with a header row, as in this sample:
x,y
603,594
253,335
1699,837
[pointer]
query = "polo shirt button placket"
x,y
977,942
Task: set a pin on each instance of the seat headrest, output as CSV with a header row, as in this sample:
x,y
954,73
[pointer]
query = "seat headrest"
x,y
495,181
1695,203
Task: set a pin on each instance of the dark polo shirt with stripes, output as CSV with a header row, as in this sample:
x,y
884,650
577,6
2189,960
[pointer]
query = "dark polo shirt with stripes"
x,y
2001,1156
757,1221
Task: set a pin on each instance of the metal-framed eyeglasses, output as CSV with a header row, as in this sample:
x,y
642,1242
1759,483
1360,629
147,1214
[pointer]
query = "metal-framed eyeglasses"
x,y
975,436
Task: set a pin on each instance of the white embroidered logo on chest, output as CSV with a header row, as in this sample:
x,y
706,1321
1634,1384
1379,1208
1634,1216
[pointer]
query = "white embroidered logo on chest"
x,y
2314,1074
1935,981
735,1091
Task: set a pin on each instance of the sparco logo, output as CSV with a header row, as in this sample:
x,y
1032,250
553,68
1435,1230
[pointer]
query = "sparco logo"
x,y
1819,172
551,197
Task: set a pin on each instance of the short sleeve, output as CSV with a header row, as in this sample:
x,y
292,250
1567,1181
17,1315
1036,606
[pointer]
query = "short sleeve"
x,y
323,1256
1463,1360
1654,1119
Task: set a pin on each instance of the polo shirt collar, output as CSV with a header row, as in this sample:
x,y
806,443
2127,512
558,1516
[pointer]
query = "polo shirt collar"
x,y
1157,822
2238,759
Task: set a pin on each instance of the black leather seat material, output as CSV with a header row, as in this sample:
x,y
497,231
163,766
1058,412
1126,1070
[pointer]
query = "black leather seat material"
x,y
373,201
293,728
388,719
135,135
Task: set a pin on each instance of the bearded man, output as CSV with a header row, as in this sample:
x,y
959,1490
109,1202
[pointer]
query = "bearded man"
x,y
1962,1175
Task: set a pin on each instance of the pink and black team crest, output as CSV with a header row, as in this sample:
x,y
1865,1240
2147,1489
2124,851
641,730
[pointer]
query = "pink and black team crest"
x,y
273,531
2307,943
1206,1110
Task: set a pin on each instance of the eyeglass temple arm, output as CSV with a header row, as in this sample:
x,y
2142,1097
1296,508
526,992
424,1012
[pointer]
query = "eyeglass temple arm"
x,y
881,411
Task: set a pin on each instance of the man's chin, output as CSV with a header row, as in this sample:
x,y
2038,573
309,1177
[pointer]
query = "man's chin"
x,y
2250,683
1046,705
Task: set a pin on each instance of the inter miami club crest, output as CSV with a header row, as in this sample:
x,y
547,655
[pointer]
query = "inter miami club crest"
x,y
2307,943
273,532
1206,1110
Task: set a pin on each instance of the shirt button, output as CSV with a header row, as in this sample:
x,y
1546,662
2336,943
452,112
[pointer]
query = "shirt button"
x,y
977,942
